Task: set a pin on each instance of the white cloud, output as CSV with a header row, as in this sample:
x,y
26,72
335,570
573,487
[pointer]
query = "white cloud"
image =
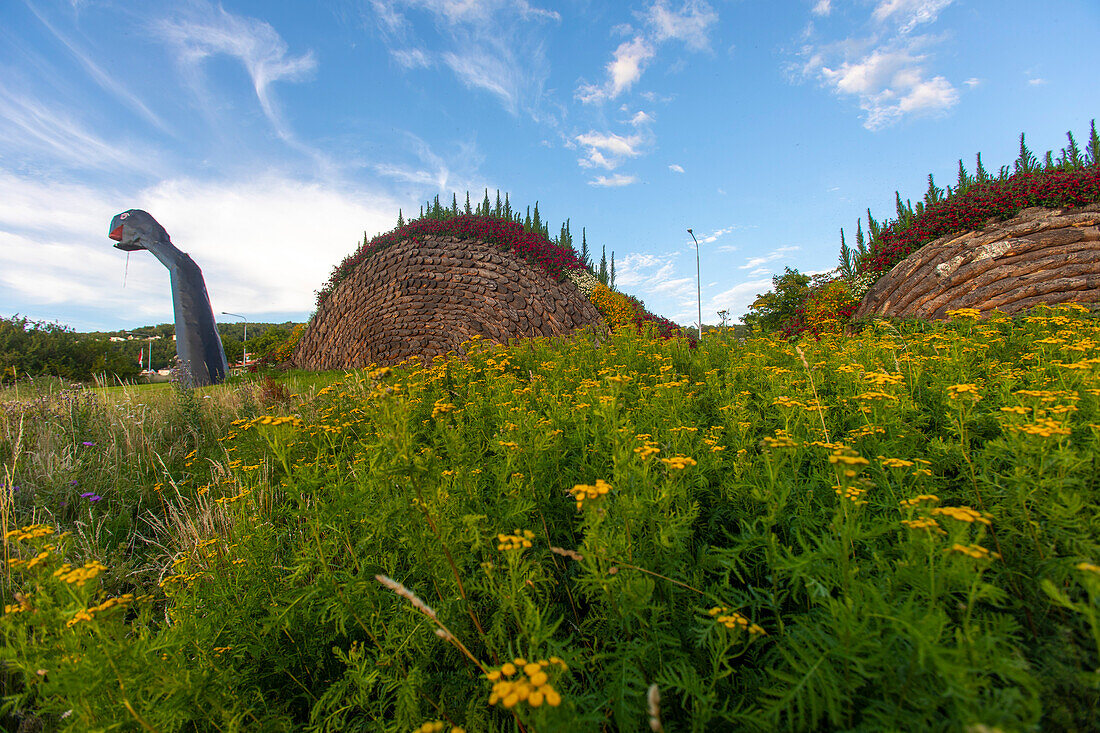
x,y
676,168
889,83
972,82
29,126
776,254
264,244
1036,82
491,45
908,14
689,24
208,31
716,235
886,69
101,77
613,181
641,118
822,7
411,58
607,150
625,68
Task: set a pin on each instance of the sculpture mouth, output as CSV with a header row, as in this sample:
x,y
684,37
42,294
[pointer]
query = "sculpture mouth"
x,y
116,233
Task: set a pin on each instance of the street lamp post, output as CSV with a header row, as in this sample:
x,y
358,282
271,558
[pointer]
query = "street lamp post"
x,y
244,359
698,286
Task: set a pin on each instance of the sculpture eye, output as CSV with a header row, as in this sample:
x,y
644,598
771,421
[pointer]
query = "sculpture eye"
x,y
124,216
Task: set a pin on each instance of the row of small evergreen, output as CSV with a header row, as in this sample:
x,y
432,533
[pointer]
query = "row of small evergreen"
x,y
855,262
532,222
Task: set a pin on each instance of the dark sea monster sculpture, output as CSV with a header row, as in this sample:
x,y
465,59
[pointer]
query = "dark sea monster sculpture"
x,y
198,345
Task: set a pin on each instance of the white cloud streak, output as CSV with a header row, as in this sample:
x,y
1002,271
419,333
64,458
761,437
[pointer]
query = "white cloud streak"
x,y
489,45
614,181
208,31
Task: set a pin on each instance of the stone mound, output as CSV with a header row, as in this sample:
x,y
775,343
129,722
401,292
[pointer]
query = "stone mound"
x,y
424,299
1041,256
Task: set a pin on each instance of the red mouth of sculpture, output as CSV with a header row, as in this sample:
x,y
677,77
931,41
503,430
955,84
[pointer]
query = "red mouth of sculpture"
x,y
116,233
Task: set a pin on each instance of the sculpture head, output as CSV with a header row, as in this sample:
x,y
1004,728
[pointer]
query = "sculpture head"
x,y
131,227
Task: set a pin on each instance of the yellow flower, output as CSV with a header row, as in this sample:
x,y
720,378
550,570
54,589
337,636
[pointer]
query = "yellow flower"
x,y
521,540
586,492
962,514
1088,567
781,440
679,462
926,524
735,621
531,686
895,462
930,498
964,314
975,551
970,391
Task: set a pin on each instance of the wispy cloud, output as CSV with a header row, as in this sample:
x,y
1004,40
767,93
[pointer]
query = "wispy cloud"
x,y
908,14
101,77
29,125
495,46
822,7
675,168
690,24
886,70
203,31
613,181
776,254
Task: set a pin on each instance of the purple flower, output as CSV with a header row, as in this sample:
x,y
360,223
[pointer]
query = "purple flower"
x,y
90,496
73,482
89,443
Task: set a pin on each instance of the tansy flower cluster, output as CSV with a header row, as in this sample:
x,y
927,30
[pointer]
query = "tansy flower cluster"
x,y
734,620
967,391
975,551
679,462
532,685
80,575
29,532
437,726
781,440
926,524
586,492
521,540
88,614
1043,427
962,514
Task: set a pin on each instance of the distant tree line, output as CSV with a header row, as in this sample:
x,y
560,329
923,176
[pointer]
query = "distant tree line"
x,y
38,348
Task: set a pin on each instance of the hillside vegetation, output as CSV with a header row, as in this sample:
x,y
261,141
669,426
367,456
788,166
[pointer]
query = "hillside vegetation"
x,y
798,304
889,531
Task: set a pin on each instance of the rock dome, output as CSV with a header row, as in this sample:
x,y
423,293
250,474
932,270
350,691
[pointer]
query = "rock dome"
x,y
424,298
1040,256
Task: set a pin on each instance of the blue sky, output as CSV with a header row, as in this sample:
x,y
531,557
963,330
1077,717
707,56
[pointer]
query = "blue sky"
x,y
268,137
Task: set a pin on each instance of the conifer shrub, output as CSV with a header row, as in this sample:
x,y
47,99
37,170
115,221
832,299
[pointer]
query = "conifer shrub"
x,y
532,246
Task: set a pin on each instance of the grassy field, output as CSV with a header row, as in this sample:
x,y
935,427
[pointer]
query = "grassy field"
x,y
890,531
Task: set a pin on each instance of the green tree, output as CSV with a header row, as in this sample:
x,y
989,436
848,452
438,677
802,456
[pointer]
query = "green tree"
x,y
770,311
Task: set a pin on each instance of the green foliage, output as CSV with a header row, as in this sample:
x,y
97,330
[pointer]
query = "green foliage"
x,y
29,348
772,309
887,532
